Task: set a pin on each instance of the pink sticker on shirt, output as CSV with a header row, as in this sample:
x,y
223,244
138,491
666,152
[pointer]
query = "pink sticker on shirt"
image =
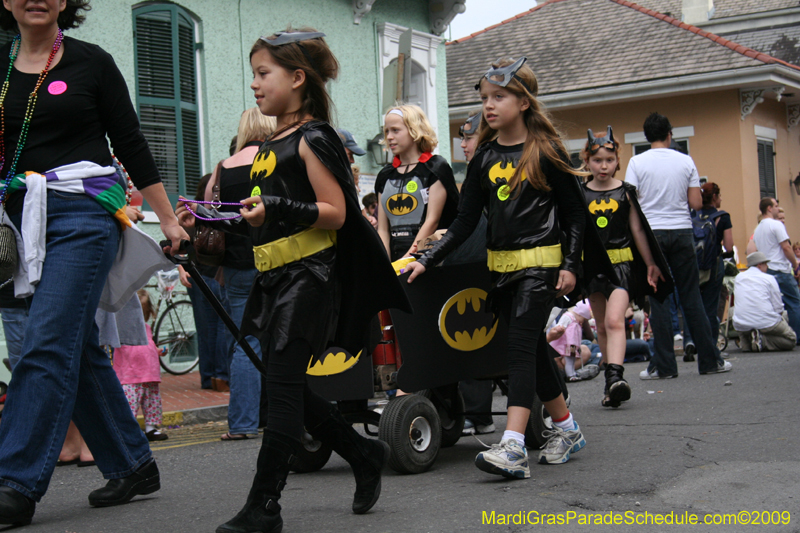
x,y
57,87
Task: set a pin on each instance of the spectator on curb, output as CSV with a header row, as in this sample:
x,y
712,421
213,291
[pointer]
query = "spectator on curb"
x,y
771,239
759,318
351,147
668,185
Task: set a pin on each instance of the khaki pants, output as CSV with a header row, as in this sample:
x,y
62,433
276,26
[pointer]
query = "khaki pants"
x,y
778,338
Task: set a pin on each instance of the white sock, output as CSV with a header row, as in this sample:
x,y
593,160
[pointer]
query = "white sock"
x,y
148,428
567,424
519,437
569,365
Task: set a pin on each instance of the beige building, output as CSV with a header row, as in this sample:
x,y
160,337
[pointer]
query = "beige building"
x,y
735,110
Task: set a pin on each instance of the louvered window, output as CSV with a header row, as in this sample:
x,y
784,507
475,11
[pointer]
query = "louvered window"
x,y
166,93
766,169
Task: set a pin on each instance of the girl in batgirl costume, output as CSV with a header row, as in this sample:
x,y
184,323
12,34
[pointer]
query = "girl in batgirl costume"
x,y
417,192
318,260
632,249
535,236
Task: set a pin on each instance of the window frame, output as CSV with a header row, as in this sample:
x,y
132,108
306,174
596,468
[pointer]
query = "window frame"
x,y
176,103
765,193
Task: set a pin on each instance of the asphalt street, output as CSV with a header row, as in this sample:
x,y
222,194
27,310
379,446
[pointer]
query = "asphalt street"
x,y
720,443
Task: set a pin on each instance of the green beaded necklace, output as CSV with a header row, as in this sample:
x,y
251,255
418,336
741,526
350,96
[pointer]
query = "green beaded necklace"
x,y
23,133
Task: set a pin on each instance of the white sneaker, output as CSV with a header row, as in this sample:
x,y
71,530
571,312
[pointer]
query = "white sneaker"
x,y
677,338
646,374
560,444
507,459
755,340
725,366
588,372
471,429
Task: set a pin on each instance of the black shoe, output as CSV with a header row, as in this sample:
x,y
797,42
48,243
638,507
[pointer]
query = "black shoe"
x,y
688,353
617,389
367,457
16,509
118,491
261,512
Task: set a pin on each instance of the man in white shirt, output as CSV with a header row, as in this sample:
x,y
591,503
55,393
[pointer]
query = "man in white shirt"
x,y
668,185
758,316
772,240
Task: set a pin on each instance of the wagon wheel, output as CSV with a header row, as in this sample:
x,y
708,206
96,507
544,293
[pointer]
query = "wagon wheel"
x,y
722,342
311,456
411,427
448,398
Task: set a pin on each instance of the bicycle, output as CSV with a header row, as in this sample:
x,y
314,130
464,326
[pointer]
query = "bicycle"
x,y
174,331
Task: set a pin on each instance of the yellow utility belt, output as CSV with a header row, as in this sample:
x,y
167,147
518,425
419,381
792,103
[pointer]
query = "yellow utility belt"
x,y
293,248
620,256
513,260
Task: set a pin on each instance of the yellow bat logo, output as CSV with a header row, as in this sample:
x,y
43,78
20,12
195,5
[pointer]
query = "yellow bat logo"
x,y
331,363
401,204
504,171
263,165
464,322
608,204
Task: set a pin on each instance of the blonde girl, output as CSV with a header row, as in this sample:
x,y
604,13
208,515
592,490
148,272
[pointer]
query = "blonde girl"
x,y
417,192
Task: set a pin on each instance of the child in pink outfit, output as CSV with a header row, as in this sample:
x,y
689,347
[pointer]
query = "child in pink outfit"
x,y
139,371
568,345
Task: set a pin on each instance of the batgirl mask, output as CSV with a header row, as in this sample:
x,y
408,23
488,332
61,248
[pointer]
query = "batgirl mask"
x,y
470,127
502,76
607,141
282,37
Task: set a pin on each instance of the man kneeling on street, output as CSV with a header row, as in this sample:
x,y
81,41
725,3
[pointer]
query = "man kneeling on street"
x,y
759,317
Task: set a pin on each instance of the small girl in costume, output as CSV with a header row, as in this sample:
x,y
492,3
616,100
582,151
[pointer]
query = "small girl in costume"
x,y
417,192
535,236
139,372
303,203
568,345
631,248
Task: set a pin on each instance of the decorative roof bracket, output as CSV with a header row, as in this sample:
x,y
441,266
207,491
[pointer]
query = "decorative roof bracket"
x,y
750,99
442,13
792,115
361,8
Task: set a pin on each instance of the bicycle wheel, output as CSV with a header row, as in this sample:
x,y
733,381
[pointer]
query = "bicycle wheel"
x,y
176,338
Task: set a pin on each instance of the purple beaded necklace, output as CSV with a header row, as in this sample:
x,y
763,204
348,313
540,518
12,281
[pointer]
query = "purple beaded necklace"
x,y
215,203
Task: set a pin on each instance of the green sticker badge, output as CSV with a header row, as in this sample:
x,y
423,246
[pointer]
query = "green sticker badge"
x,y
412,186
503,193
256,191
602,222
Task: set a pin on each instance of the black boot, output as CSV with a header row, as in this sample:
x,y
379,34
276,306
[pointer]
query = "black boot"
x,y
261,513
367,457
617,389
15,508
145,480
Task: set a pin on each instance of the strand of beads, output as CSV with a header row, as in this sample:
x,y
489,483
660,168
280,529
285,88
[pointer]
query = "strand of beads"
x,y
23,133
129,187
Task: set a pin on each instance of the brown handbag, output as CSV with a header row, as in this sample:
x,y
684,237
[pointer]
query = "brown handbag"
x,y
209,244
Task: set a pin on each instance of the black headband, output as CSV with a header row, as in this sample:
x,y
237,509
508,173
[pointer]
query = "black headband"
x,y
282,38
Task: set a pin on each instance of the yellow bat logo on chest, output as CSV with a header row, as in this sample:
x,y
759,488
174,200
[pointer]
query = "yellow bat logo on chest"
x,y
501,170
401,204
263,165
607,204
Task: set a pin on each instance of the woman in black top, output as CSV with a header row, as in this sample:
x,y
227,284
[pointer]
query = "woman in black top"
x,y
239,271
80,98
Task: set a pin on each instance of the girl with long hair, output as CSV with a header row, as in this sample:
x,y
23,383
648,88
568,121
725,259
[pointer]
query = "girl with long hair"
x,y
309,293
535,236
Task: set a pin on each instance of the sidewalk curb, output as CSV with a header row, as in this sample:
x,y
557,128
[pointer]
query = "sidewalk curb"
x,y
186,417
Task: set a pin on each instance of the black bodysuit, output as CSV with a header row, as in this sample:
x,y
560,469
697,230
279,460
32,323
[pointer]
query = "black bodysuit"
x,y
610,212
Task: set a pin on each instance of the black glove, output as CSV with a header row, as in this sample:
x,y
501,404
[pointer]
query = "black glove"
x,y
279,208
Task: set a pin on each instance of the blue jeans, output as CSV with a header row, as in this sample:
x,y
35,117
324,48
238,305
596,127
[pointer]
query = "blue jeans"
x,y
63,372
790,295
212,342
678,248
245,383
14,320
